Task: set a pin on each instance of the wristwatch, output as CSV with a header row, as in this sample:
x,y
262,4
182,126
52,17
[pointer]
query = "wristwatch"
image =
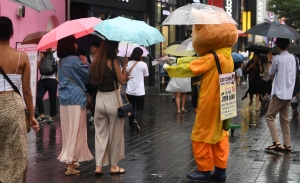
x,y
270,62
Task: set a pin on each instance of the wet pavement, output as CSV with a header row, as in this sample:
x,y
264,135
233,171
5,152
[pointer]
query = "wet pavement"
x,y
161,152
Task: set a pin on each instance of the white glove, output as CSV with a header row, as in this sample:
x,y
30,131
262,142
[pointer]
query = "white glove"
x,y
165,66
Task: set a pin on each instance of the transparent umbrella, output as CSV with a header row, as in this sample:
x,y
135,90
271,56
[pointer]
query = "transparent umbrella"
x,y
198,14
37,5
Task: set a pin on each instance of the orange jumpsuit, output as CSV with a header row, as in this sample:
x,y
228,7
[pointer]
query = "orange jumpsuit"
x,y
209,140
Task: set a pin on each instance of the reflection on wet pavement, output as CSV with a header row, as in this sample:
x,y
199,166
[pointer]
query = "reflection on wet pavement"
x,y
161,152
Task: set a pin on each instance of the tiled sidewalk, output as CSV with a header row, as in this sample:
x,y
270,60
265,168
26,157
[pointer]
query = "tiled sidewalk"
x,y
161,152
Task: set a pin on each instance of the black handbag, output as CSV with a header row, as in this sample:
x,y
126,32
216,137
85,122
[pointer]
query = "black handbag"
x,y
124,110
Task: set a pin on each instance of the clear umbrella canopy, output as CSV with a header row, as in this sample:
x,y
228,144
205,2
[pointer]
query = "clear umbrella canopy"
x,y
198,14
37,5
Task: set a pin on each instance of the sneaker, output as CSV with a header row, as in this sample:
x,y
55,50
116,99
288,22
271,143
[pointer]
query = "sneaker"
x,y
50,121
91,120
40,119
136,126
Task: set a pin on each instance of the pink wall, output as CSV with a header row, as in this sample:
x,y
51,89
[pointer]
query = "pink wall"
x,y
33,21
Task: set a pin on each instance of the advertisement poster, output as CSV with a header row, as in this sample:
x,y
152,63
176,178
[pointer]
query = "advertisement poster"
x,y
228,96
32,53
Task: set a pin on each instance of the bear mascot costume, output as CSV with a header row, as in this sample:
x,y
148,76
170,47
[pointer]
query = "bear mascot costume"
x,y
209,141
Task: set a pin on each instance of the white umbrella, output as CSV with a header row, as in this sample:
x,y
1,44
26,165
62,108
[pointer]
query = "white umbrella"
x,y
198,14
186,45
37,5
127,48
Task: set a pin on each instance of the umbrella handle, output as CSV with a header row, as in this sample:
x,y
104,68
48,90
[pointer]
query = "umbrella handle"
x,y
126,50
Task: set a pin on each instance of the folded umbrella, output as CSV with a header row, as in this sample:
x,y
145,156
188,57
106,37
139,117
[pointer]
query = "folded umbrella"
x,y
273,29
237,57
131,31
78,28
37,5
127,48
34,38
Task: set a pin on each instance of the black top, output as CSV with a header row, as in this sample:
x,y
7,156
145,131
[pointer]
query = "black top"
x,y
254,73
107,84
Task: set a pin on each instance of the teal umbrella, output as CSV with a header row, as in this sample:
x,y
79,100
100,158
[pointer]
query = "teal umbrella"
x,y
131,31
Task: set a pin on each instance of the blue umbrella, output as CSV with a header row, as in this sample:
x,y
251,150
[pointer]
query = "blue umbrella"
x,y
131,31
237,57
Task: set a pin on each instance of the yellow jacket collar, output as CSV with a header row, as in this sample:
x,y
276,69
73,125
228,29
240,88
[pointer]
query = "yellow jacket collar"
x,y
224,51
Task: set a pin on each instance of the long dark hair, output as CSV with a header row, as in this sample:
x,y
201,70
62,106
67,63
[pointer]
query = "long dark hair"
x,y
136,54
66,47
106,51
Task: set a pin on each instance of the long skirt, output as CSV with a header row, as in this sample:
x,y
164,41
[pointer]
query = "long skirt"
x,y
74,135
13,139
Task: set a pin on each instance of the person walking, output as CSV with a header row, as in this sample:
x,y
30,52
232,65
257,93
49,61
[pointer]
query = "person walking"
x,y
283,68
254,68
266,80
13,136
137,71
92,90
72,76
47,83
109,128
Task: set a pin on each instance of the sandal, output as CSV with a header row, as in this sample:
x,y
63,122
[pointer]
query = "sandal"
x,y
99,173
72,171
273,147
76,165
183,111
285,148
118,172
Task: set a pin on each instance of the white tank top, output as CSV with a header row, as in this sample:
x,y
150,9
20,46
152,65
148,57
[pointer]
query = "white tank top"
x,y
15,78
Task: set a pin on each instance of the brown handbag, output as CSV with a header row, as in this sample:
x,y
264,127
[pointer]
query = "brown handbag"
x,y
17,91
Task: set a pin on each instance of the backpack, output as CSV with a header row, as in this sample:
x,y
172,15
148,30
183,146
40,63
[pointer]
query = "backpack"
x,y
48,64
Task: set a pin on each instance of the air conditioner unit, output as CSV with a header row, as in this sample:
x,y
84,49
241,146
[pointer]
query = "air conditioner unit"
x,y
21,11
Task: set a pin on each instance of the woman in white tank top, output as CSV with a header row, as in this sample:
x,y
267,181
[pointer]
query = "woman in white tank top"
x,y
13,136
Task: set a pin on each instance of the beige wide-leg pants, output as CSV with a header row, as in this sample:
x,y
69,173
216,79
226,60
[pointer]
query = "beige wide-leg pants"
x,y
281,106
109,129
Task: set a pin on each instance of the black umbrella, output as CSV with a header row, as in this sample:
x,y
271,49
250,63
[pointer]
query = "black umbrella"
x,y
294,49
258,49
84,43
272,29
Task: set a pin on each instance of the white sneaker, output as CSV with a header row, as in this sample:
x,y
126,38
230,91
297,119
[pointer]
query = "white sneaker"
x,y
136,126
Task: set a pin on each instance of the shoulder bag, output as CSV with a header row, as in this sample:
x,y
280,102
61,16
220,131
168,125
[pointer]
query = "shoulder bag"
x,y
89,98
124,110
18,92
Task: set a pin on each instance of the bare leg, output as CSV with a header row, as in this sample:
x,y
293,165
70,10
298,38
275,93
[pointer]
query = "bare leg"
x,y
183,99
257,102
251,100
177,94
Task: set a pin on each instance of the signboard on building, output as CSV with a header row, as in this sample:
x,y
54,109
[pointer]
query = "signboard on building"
x,y
260,11
233,8
32,53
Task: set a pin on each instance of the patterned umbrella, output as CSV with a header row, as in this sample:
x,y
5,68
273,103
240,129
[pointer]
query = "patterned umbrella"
x,y
37,5
273,29
131,31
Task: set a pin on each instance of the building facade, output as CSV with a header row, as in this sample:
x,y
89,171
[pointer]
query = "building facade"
x,y
32,21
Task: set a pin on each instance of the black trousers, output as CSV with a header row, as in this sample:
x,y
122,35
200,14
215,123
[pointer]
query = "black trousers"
x,y
43,86
138,106
92,90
